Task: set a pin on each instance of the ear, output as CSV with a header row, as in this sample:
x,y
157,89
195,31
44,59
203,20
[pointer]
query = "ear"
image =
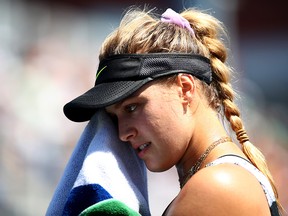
x,y
186,82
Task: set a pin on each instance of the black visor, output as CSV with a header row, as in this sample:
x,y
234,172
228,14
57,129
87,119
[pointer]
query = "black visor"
x,y
121,75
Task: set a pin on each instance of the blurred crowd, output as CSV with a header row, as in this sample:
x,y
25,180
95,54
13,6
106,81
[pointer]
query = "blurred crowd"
x,y
48,56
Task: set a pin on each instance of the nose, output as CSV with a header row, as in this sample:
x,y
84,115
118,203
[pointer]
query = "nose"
x,y
126,131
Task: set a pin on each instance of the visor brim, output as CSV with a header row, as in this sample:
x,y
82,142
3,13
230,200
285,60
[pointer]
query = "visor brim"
x,y
83,107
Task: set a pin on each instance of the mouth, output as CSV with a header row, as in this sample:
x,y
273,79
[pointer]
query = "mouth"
x,y
143,146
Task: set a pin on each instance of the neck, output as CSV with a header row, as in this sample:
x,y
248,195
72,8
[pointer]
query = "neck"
x,y
207,130
199,162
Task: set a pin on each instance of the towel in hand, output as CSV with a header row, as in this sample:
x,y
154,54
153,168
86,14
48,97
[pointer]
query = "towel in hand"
x,y
104,176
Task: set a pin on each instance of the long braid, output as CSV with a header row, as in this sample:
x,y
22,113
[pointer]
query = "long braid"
x,y
207,34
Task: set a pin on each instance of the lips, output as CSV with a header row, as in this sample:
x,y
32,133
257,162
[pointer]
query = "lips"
x,y
142,147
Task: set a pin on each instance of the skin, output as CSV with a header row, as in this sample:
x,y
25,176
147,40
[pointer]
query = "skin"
x,y
177,124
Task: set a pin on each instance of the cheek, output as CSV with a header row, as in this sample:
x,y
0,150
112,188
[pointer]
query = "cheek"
x,y
168,119
176,131
170,138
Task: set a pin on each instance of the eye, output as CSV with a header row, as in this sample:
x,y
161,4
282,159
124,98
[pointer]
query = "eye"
x,y
130,108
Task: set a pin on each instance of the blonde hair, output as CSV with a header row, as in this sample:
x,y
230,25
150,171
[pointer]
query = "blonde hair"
x,y
143,32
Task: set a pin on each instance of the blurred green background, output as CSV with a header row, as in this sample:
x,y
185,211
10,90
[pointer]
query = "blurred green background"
x,y
49,55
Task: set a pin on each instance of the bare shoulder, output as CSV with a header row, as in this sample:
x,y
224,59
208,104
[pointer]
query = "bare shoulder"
x,y
224,189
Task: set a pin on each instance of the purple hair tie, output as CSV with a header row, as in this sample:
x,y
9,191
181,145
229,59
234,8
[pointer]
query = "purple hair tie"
x,y
170,16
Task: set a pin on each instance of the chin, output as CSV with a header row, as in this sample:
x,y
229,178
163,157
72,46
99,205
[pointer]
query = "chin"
x,y
158,168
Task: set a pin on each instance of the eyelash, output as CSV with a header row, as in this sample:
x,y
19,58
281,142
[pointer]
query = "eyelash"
x,y
130,108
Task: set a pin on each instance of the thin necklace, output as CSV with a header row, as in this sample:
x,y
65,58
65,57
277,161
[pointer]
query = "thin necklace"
x,y
199,162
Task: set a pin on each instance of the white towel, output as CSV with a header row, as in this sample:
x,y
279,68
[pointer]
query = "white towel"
x,y
100,168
